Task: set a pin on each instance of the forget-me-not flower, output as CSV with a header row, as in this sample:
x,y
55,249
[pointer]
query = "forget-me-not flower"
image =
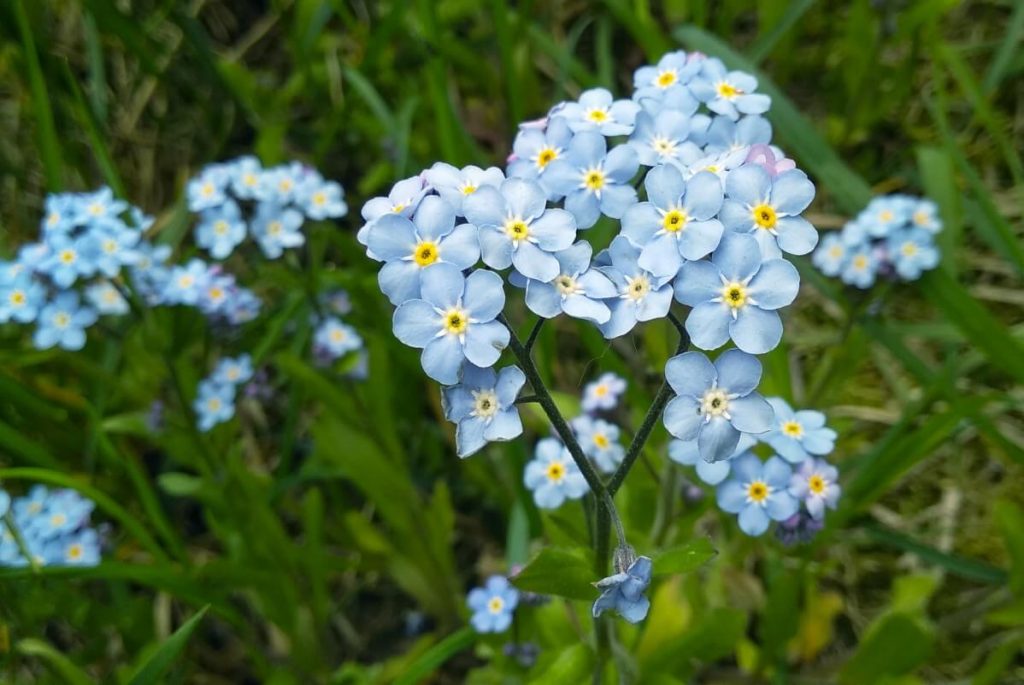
x,y
534,149
687,453
62,322
553,476
186,283
603,394
641,296
769,208
578,289
209,189
483,406
492,605
666,84
233,370
593,180
660,138
830,255
861,266
214,403
106,298
65,260
455,185
596,110
403,198
221,229
795,435
320,199
624,591
20,298
815,484
276,228
334,339
599,440
730,93
110,248
727,135
925,214
912,251
759,492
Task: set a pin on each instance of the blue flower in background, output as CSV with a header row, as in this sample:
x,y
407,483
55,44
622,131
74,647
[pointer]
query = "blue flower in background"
x,y
276,229
492,605
593,180
454,321
62,212
335,339
597,110
796,435
62,322
735,295
925,214
769,208
553,476
319,199
624,592
715,403
221,229
214,403
726,135
641,296
278,185
759,492
861,267
599,440
65,260
830,256
912,251
483,406
106,299
411,248
455,185
687,453
534,149
603,394
729,93
109,249
79,549
101,209
516,228
677,222
815,484
54,525
577,290
665,85
403,199
244,177
660,138
233,370
208,190
21,298
885,214
186,283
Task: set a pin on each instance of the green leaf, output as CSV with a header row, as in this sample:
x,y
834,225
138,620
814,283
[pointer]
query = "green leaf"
x,y
558,572
180,484
1010,520
436,656
684,558
999,65
712,637
964,567
998,662
161,660
895,646
61,664
572,666
767,40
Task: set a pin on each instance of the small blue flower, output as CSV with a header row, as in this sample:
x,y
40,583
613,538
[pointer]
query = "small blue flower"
x,y
721,164
599,440
276,229
727,135
101,209
603,394
21,298
577,290
716,403
516,228
454,321
278,185
335,339
796,435
769,208
861,266
411,248
830,255
661,138
483,406
214,403
666,84
815,483
641,296
320,199
736,295
77,549
593,180
66,260
62,322
62,212
209,189
553,476
885,214
596,110
492,605
244,176
455,185
677,222
534,149
221,229
186,283
758,492
624,592
912,251
106,299
687,453
403,199
233,371
730,93
925,214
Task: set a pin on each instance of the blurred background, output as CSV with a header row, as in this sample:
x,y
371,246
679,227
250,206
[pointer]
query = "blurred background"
x,y
338,543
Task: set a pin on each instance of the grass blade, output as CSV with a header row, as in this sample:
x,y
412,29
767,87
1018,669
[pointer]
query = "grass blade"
x,y
161,660
434,657
61,664
766,42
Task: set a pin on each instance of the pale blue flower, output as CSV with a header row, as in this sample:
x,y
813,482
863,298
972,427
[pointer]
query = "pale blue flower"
x,y
21,298
80,548
596,110
214,403
769,208
335,339
911,252
483,406
677,222
885,214
411,248
100,209
687,453
593,180
553,476
320,199
815,483
106,299
729,93
244,176
641,296
830,255
603,394
454,321
736,295
62,322
276,229
534,149
110,248
663,137
795,435
715,403
66,260
279,185
516,228
624,592
666,84
62,212
221,229
721,164
209,189
861,266
726,135
455,185
233,370
758,492
599,440
403,198
492,605
925,215
578,290
186,283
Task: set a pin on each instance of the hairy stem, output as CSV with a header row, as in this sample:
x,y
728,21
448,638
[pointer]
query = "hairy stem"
x,y
534,333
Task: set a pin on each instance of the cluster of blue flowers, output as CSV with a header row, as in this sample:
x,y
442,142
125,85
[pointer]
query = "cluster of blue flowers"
x,y
215,399
794,487
332,337
53,526
893,237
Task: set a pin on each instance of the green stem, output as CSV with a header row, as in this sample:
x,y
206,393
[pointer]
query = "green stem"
x,y
534,333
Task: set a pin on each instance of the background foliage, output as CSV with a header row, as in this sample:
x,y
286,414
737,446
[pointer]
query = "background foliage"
x,y
332,531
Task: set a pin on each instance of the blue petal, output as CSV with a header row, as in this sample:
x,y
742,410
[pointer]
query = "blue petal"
x,y
554,230
775,284
469,436
700,238
461,247
708,325
731,496
534,263
485,342
400,281
442,358
738,256
581,307
661,256
755,330
616,199
525,199
792,191
504,426
621,164
575,259
713,473
485,295
777,473
781,505
718,439
751,414
495,247
485,207
698,282
690,374
543,299
682,418
510,381
753,520
434,219
392,237
640,222
704,196
416,323
585,207
655,305
738,372
749,184
665,186
796,235
684,452
587,148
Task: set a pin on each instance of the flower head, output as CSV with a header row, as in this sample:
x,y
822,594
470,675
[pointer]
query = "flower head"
x,y
277,228
493,605
553,476
603,393
795,435
62,322
912,251
830,255
729,93
455,185
624,591
640,295
759,492
483,406
769,209
597,111
334,339
687,453
599,441
214,403
815,483
593,180
233,370
535,148
221,229
578,290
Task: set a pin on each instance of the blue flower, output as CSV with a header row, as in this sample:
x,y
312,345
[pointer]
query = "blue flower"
x,y
276,228
577,290
815,483
516,228
721,164
687,453
597,111
603,393
641,296
727,135
403,199
20,298
454,321
599,440
769,208
78,549
209,189
62,212
715,403
62,322
663,137
483,406
678,220
912,251
534,149
101,209
925,215
106,299
730,93
244,177
666,84
110,248
758,492
186,283
214,403
624,591
320,199
735,295
54,525
221,229
411,248
830,256
455,185
66,260
335,339
492,605
797,435
885,214
278,185
861,266
553,476
233,371
593,180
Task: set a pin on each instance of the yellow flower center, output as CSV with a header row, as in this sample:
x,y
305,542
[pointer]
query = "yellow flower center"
x,y
546,156
485,403
468,188
206,190
110,296
215,293
249,179
601,390
232,373
921,218
556,471
496,605
53,218
674,220
860,262
110,246
565,284
185,281
61,320
638,287
908,249
758,491
213,404
817,484
598,115
58,520
885,215
734,295
220,227
74,551
666,78
337,335
17,298
765,216
398,208
517,229
68,256
455,321
601,440
835,252
274,228
594,179
96,209
285,184
793,429
426,253
715,402
727,90
319,199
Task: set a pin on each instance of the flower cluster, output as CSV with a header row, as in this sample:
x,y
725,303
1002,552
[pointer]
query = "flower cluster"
x,y
53,527
215,399
893,237
773,490
240,198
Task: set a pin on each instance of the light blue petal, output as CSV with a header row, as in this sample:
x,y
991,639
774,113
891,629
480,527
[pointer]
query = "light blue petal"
x,y
775,284
735,216
504,426
510,381
561,177
753,520
777,473
640,222
717,439
622,318
554,230
700,238
469,436
751,414
442,358
781,505
749,184
543,299
715,472
755,330
738,372
635,611
708,325
682,418
704,195
416,323
434,219
621,164
400,281
585,206
575,259
597,285
697,282
731,496
753,103
495,248
534,263
792,191
665,186
525,199
738,256
796,235
616,199
820,441
587,149
485,207
392,237
485,295
684,452
655,305
581,307
548,496
661,256
485,342
461,247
